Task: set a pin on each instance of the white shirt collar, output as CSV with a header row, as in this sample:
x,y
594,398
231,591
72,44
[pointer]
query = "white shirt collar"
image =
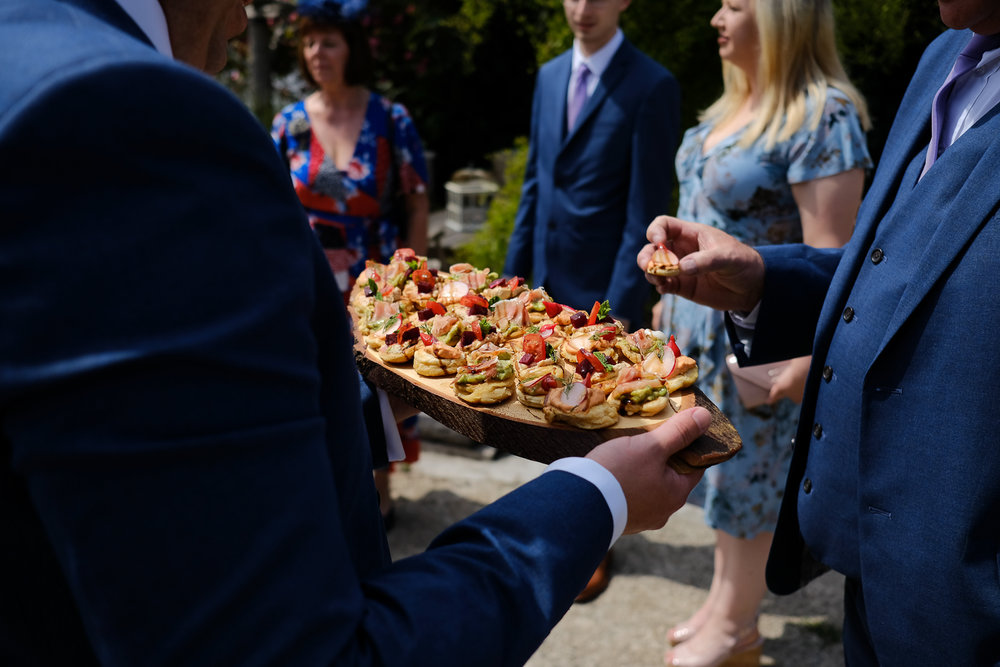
x,y
598,62
148,15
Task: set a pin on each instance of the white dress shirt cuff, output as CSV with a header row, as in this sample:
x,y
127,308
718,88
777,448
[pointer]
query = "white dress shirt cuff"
x,y
745,323
393,443
601,477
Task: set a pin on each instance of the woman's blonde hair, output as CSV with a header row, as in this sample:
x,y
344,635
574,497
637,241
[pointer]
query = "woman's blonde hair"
x,y
798,61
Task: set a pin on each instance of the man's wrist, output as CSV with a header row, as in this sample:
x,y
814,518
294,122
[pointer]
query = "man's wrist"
x,y
606,483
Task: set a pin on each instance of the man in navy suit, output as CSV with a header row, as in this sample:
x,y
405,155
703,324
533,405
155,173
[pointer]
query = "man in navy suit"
x,y
895,479
600,166
185,475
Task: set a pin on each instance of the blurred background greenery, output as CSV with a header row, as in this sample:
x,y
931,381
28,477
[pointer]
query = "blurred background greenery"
x,y
465,69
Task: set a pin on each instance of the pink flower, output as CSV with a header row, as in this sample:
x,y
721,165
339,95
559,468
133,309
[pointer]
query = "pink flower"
x,y
356,170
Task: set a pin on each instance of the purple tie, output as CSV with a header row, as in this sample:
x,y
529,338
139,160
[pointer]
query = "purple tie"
x,y
966,61
579,97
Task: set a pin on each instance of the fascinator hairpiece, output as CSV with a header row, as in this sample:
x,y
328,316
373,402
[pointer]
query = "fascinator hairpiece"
x,y
333,10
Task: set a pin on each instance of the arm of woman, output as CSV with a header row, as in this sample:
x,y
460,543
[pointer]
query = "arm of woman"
x,y
417,212
828,207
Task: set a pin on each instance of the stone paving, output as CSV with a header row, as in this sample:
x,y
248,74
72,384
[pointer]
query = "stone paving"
x,y
660,577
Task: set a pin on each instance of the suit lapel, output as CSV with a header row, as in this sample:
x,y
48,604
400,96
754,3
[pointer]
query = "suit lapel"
x,y
909,136
962,187
555,90
612,76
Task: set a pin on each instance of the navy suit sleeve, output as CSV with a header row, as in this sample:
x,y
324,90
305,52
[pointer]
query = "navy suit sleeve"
x,y
181,400
654,142
796,281
520,248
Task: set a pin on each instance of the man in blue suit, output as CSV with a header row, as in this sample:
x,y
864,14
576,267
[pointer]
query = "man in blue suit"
x,y
185,475
895,479
600,166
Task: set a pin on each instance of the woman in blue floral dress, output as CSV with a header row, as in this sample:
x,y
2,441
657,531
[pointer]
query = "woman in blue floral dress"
x,y
356,162
779,158
352,154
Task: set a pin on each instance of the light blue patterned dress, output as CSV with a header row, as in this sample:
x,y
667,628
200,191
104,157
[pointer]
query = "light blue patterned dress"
x,y
747,193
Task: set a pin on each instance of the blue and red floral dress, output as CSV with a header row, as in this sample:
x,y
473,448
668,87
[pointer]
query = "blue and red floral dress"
x,y
352,210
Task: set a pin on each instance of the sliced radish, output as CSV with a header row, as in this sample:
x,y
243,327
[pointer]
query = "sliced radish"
x,y
661,367
575,393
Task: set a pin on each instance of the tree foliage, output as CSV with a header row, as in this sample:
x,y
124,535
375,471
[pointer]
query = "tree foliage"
x,y
466,68
488,246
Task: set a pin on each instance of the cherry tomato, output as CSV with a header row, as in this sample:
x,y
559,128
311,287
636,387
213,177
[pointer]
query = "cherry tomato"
x,y
476,329
549,382
436,307
471,299
534,345
427,338
551,308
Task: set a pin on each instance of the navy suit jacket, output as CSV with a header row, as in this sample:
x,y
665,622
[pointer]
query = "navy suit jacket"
x,y
912,412
589,195
184,470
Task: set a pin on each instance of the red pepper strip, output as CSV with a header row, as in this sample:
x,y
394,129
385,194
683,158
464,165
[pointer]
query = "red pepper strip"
x,y
672,344
584,353
593,313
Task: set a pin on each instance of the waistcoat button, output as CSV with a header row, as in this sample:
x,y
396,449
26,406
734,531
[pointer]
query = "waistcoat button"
x,y
827,373
807,485
848,314
817,431
877,255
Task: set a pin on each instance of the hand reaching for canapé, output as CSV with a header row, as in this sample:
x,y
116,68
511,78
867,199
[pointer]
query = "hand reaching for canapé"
x,y
715,269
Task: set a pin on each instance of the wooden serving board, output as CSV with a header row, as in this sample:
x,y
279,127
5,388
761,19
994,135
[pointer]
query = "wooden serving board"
x,y
517,429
